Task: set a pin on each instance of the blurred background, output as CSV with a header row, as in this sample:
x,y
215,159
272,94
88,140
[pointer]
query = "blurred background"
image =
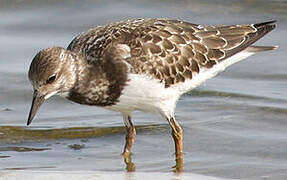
x,y
234,124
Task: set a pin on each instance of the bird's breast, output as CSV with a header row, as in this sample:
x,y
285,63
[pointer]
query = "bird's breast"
x,y
144,93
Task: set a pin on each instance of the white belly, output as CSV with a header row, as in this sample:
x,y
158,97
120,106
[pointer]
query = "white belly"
x,y
146,94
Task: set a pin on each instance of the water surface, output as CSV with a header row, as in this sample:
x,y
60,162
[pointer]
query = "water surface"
x,y
234,125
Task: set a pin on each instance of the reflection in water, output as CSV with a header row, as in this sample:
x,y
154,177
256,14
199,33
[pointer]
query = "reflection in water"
x,y
130,139
22,149
179,164
76,146
130,166
4,156
130,176
30,168
13,134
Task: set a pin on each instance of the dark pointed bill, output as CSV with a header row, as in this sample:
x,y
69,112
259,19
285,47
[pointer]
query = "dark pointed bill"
x,y
38,99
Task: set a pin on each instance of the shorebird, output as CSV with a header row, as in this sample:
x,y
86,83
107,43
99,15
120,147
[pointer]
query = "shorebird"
x,y
141,64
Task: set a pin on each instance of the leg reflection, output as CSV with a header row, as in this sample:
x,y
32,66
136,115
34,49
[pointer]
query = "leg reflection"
x,y
179,163
130,138
130,166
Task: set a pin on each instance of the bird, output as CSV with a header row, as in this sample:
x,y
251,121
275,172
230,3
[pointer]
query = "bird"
x,y
142,64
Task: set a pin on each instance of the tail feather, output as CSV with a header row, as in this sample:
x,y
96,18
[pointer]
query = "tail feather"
x,y
263,24
261,30
260,48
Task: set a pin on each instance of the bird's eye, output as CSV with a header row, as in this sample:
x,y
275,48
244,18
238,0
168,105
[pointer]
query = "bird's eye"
x,y
51,79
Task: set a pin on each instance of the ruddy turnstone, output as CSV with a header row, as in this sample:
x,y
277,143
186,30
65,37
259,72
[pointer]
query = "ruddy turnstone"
x,y
141,64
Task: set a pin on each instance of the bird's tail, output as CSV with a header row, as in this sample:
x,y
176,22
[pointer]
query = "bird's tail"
x,y
260,48
262,29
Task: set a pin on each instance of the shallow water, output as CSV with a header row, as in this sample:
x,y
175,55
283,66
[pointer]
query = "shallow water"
x,y
234,125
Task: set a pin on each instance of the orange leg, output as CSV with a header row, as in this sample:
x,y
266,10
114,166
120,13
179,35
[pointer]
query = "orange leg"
x,y
130,138
177,137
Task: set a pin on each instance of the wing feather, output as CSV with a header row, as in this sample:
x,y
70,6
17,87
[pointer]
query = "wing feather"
x,y
169,50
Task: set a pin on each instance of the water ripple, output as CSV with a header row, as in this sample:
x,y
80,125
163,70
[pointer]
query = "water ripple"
x,y
211,93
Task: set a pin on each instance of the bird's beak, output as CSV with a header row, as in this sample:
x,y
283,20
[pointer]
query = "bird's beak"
x,y
38,99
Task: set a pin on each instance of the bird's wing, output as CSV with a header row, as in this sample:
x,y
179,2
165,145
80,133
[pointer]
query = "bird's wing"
x,y
171,51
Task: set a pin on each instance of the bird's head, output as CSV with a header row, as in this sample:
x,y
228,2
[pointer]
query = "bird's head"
x,y
51,72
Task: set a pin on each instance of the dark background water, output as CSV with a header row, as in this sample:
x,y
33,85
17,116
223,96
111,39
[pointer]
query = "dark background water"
x,y
234,125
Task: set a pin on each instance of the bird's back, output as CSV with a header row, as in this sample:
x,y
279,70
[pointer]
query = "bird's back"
x,y
171,51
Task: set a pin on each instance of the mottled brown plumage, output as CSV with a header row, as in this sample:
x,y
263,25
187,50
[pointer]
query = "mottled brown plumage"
x,y
169,50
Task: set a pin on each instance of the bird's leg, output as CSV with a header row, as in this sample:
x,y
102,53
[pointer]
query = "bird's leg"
x,y
130,135
177,137
130,138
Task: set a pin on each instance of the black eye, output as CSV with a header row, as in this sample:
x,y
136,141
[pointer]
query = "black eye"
x,y
51,79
